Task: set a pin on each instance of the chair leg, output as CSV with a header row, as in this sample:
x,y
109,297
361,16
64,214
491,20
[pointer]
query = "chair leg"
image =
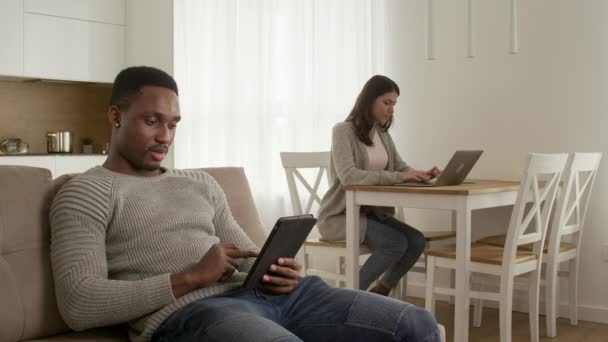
x,y
573,291
442,332
426,267
397,292
533,297
340,270
394,292
452,299
478,307
403,287
551,297
429,297
477,312
506,308
306,262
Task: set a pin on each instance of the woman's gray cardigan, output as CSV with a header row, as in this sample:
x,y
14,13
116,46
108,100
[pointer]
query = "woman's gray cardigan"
x,y
349,163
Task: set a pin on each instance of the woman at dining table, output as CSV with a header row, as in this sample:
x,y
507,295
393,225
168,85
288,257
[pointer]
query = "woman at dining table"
x,y
363,153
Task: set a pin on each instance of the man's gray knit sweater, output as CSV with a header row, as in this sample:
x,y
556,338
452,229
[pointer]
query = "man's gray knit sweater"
x,y
116,239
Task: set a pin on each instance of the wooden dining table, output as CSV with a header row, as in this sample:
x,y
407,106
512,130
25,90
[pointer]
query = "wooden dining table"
x,y
460,199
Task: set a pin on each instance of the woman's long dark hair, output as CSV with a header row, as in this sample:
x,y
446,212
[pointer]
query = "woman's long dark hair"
x,y
361,116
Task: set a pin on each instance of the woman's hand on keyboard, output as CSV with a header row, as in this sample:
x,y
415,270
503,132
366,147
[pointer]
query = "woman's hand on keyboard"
x,y
434,172
415,175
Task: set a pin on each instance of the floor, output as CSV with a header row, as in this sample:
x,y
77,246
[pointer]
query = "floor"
x,y
489,330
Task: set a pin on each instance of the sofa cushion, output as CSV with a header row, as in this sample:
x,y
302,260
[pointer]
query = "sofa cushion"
x,y
27,293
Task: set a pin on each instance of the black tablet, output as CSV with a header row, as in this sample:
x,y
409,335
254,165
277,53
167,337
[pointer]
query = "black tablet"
x,y
284,241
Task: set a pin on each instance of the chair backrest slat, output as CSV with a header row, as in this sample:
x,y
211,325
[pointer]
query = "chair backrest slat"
x,y
580,191
304,160
578,180
292,163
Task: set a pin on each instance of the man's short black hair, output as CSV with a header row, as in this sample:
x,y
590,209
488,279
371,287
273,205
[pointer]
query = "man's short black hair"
x,y
129,82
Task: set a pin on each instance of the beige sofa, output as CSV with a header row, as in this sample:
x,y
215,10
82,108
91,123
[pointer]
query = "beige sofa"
x,y
28,311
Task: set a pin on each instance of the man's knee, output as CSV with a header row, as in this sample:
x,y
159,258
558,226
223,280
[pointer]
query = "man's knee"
x,y
393,317
418,324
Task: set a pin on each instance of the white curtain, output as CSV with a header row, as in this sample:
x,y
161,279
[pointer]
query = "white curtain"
x,y
258,77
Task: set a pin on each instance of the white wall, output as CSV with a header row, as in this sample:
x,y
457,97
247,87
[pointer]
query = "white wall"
x,y
150,33
149,38
551,97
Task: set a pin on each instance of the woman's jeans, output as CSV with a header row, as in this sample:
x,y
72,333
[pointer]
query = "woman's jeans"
x,y
395,247
314,311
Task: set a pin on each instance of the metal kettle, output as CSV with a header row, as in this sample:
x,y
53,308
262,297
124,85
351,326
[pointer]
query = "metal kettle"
x,y
59,142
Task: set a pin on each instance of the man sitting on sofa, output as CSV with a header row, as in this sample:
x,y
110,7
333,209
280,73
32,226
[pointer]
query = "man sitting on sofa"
x,y
134,242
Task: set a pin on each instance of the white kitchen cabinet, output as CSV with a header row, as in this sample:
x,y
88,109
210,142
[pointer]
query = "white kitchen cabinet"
x,y
11,37
104,11
57,164
71,49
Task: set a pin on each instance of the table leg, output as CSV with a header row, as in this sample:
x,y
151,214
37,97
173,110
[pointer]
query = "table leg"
x,y
453,273
463,257
352,241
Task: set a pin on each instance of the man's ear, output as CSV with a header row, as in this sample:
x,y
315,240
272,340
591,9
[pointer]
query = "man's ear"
x,y
114,116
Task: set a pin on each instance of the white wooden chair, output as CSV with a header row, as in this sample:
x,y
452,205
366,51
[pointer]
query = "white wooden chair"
x,y
509,261
570,218
328,250
568,221
292,162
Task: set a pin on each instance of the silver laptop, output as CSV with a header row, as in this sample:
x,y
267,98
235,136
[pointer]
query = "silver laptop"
x,y
455,172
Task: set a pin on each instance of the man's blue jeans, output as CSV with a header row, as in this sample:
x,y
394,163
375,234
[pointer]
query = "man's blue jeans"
x,y
314,311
